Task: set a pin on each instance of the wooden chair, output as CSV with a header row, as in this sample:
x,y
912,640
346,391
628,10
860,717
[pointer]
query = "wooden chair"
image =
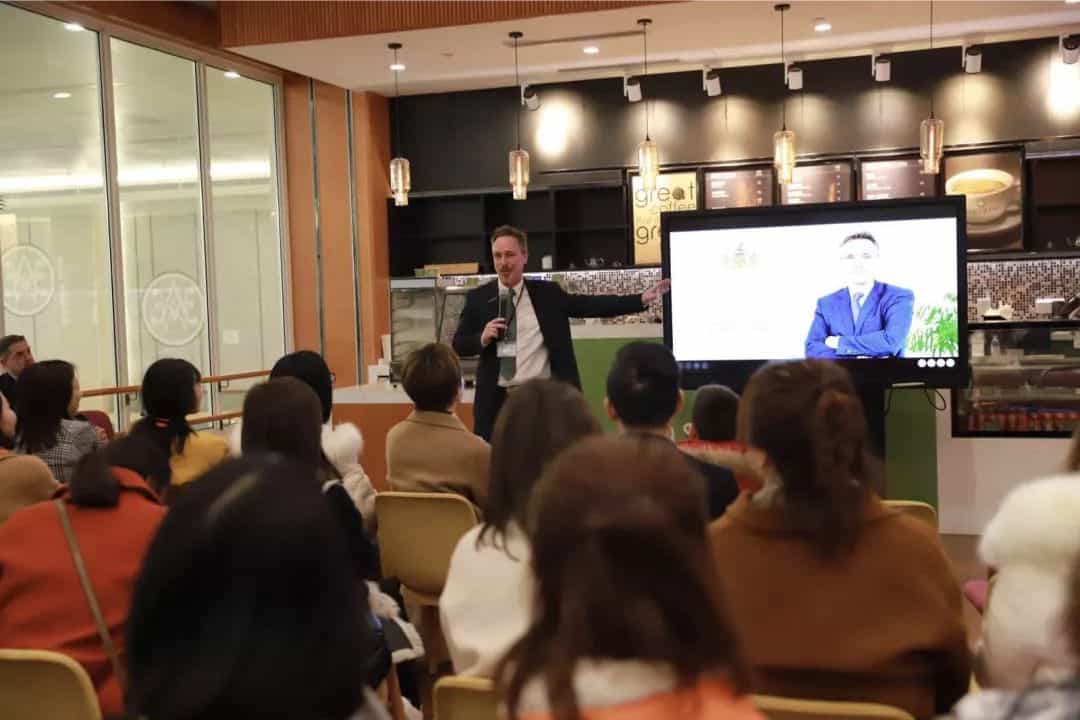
x,y
780,708
45,686
465,698
914,508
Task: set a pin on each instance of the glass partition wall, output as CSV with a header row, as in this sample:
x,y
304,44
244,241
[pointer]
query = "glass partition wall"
x,y
139,204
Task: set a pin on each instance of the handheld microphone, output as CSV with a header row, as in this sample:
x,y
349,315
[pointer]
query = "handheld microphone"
x,y
506,308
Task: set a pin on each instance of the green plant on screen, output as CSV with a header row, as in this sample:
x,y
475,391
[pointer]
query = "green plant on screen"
x,y
936,330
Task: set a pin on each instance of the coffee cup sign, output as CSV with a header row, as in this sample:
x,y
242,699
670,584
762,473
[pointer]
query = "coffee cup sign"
x,y
988,193
674,192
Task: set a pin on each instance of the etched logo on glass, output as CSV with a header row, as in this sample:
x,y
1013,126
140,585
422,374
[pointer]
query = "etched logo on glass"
x,y
172,309
29,280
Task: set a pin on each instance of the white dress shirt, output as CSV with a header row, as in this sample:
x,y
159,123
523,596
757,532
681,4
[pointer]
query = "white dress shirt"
x,y
532,354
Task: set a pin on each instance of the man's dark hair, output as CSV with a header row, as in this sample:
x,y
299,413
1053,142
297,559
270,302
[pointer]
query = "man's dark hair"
x,y
9,341
510,230
860,236
431,376
643,385
715,411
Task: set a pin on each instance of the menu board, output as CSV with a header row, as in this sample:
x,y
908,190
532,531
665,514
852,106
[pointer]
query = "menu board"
x,y
818,184
889,179
992,184
738,188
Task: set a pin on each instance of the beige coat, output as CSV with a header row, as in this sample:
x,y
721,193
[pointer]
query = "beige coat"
x,y
24,480
435,452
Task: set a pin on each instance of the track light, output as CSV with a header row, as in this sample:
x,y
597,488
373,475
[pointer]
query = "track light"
x,y
631,88
794,77
710,81
529,98
1070,49
972,59
881,67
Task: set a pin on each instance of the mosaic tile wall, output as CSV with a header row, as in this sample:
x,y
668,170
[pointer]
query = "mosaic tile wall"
x,y
1019,282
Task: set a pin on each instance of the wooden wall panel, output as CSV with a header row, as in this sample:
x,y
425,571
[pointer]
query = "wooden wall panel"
x,y
371,145
300,181
335,232
254,23
185,21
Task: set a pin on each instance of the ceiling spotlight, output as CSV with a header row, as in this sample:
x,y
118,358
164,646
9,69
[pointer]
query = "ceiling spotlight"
x,y
1070,49
232,74
972,58
61,95
822,25
590,50
631,88
881,67
529,98
73,27
794,77
710,81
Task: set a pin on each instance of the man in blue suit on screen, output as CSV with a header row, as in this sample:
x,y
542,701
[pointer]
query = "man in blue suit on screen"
x,y
865,319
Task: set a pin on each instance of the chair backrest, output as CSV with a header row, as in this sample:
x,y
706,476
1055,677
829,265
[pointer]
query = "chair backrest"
x,y
780,708
417,536
465,698
914,508
100,419
45,686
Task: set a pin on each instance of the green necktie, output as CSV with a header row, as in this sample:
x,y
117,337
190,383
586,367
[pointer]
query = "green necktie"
x,y
508,365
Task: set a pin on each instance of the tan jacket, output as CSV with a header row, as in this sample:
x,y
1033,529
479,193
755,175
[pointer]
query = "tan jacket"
x,y
883,624
435,452
24,480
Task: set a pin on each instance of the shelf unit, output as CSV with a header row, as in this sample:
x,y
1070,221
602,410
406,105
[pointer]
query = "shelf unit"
x,y
1054,209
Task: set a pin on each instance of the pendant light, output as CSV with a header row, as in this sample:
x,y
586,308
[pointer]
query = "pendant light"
x,y
932,129
647,152
400,178
519,159
784,140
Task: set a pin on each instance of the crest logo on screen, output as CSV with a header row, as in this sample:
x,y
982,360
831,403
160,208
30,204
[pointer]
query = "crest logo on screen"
x,y
740,259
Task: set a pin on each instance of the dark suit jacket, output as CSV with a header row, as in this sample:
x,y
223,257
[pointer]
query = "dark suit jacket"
x,y
7,386
553,307
882,329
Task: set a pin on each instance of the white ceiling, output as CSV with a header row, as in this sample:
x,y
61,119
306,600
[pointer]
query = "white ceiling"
x,y
683,36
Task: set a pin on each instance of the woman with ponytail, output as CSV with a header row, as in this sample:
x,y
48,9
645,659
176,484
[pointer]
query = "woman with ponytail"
x,y
171,391
836,597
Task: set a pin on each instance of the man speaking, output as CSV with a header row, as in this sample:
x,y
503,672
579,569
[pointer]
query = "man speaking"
x,y
867,318
521,328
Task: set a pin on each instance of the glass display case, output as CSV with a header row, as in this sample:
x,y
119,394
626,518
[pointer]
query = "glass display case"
x,y
1025,380
422,311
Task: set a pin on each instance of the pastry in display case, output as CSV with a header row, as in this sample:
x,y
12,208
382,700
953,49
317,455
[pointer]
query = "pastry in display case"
x,y
1025,380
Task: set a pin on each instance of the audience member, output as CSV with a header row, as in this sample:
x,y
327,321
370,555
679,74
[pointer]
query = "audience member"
x,y
714,414
48,399
342,443
15,356
643,397
7,423
113,509
241,609
24,480
432,450
170,392
630,620
835,596
1032,542
283,416
485,605
1053,701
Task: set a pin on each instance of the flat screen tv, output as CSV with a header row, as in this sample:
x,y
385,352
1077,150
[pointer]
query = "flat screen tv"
x,y
879,286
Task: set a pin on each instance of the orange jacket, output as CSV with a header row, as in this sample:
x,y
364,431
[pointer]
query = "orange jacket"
x,y
42,605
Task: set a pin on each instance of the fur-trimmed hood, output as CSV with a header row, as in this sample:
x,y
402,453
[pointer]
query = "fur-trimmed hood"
x,y
342,444
1036,525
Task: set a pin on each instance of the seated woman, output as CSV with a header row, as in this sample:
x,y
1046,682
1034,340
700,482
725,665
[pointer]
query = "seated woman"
x,y
170,392
1031,543
48,399
341,443
113,508
432,450
241,610
629,622
835,596
1059,700
484,607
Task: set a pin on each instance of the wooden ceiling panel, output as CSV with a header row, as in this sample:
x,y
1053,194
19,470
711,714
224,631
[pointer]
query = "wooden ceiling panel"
x,y
259,23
